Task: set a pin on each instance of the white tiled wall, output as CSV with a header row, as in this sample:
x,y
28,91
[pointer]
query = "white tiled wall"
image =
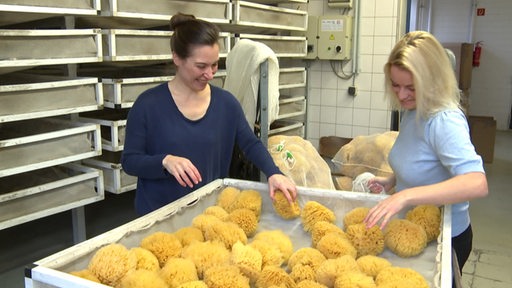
x,y
491,85
331,111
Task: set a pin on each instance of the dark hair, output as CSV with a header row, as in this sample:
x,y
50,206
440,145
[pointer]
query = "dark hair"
x,y
190,31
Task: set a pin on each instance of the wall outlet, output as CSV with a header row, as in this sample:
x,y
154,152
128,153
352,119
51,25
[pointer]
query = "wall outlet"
x,y
352,91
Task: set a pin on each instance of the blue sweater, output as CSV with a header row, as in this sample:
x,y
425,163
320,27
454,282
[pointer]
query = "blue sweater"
x,y
434,150
155,127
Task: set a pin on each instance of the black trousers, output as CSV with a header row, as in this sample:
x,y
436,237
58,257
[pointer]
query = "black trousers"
x,y
462,244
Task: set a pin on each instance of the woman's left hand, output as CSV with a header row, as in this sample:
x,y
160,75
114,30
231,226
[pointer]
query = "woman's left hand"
x,y
283,183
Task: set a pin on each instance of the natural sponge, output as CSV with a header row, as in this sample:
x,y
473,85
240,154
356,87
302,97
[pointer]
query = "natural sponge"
x,y
275,276
271,255
278,239
334,246
306,256
206,254
405,238
284,208
301,273
310,284
428,217
367,241
354,279
203,221
371,265
227,233
227,197
323,227
225,276
217,211
163,245
145,259
400,277
142,279
331,269
194,284
245,219
250,199
110,263
355,216
178,271
248,259
188,234
314,212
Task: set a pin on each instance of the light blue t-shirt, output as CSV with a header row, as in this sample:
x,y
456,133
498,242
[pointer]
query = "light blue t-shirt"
x,y
428,151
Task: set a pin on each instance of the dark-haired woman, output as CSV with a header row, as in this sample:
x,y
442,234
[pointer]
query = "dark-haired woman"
x,y
180,135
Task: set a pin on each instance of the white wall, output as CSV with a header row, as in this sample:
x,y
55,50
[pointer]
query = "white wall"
x,y
331,111
491,85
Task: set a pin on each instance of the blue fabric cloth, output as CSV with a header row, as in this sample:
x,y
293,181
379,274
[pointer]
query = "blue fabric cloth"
x,y
434,150
155,127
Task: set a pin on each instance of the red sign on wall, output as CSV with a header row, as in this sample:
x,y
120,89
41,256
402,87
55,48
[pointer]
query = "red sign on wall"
x,y
480,11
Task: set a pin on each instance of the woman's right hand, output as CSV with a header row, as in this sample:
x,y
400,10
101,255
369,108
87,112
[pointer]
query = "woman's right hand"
x,y
182,169
379,185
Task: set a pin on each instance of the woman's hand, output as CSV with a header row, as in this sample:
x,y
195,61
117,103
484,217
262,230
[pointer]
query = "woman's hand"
x,y
182,169
381,184
386,209
283,183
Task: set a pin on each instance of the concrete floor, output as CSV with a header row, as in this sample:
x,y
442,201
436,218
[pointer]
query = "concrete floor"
x,y
490,263
488,266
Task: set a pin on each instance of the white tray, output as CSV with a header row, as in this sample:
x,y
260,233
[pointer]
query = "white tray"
x,y
29,48
35,98
62,141
36,194
113,126
116,180
434,263
257,16
283,46
145,45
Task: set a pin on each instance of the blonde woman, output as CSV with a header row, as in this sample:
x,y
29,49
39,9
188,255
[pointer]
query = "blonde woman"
x,y
433,159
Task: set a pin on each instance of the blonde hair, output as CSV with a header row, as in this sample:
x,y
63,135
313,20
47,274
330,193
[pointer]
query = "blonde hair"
x,y
434,80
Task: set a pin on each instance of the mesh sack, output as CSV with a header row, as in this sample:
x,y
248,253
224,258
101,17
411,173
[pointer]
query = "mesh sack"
x,y
298,159
365,154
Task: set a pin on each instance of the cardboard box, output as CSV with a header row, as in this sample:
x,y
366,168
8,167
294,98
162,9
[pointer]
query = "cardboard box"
x,y
464,62
330,145
483,135
465,65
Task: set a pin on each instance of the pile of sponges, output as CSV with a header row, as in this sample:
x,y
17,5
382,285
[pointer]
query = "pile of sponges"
x,y
409,237
223,248
404,237
349,257
219,249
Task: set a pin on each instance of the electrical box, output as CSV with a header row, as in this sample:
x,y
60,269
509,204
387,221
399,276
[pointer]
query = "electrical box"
x,y
329,37
334,37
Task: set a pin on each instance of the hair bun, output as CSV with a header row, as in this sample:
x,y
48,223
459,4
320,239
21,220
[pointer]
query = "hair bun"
x,y
180,19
